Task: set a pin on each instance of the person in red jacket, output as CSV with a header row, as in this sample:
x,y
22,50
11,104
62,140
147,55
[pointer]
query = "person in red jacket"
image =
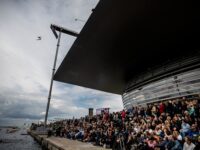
x,y
161,108
123,114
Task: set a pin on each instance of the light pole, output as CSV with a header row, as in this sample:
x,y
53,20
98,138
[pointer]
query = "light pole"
x,y
55,28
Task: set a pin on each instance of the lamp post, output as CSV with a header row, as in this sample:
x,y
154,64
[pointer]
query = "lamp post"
x,y
55,28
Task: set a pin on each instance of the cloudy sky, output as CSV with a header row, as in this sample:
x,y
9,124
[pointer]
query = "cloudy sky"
x,y
26,63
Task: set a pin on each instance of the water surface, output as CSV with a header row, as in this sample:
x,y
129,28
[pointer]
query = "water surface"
x,y
17,141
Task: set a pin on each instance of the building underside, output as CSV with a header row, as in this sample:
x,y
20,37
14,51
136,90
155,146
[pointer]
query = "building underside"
x,y
127,45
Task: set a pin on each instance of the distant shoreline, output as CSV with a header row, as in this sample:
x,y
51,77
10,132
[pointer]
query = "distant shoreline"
x,y
9,127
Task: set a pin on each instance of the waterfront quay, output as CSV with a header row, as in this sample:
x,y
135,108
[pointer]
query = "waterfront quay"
x,y
58,143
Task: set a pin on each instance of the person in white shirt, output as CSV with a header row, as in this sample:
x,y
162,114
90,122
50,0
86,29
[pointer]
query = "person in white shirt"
x,y
188,145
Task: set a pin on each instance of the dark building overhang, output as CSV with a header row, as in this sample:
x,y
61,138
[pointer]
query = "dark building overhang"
x,y
125,39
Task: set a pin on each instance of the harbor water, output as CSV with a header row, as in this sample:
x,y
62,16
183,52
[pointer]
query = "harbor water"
x,y
17,140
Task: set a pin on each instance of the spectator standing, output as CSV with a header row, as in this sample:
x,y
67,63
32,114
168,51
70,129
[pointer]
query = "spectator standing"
x,y
161,108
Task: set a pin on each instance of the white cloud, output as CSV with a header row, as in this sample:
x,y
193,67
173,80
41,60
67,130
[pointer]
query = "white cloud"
x,y
43,113
26,63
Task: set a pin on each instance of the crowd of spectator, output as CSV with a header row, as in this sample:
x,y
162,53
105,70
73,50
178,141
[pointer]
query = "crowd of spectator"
x,y
167,125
